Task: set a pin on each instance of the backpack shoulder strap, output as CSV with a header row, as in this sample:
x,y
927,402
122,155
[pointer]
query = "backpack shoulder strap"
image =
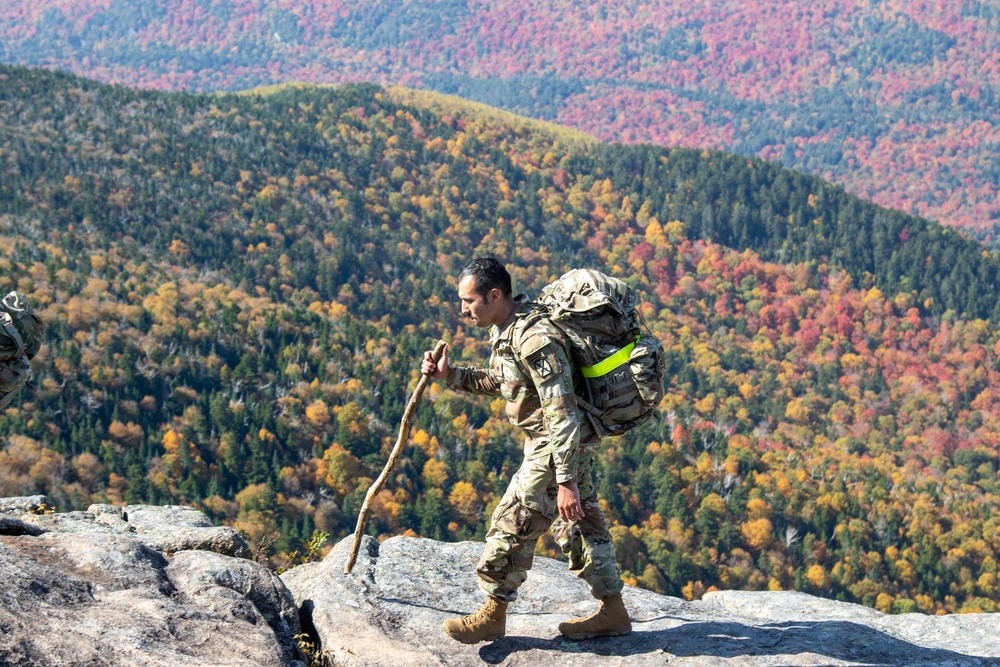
x,y
515,333
8,326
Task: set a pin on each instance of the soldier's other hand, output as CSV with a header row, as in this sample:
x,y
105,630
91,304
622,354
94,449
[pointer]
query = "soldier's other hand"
x,y
568,501
438,371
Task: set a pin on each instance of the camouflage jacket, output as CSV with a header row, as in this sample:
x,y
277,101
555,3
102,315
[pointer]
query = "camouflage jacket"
x,y
530,367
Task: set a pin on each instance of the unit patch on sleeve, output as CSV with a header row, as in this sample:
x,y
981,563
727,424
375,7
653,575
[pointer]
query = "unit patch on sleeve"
x,y
543,366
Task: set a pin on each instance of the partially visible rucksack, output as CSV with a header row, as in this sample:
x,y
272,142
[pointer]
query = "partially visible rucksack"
x,y
622,364
19,342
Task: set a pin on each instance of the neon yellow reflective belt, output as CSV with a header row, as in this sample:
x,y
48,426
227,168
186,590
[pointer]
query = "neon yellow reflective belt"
x,y
611,363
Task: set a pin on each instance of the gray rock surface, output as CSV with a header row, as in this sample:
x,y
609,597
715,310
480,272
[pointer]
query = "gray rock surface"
x,y
22,505
168,529
171,528
89,591
150,517
389,611
238,588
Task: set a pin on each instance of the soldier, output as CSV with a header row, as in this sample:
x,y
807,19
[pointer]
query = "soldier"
x,y
554,488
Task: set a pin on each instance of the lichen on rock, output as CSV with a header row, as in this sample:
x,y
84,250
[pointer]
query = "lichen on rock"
x,y
146,586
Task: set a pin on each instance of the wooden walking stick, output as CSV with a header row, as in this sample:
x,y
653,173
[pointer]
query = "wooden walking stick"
x,y
404,435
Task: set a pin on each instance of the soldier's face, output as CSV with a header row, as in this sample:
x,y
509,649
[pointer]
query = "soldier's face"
x,y
482,310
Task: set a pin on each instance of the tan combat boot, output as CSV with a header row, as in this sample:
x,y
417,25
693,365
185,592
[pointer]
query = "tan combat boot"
x,y
610,621
486,624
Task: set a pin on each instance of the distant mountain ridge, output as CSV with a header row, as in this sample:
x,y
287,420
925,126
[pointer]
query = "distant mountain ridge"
x,y
897,102
238,288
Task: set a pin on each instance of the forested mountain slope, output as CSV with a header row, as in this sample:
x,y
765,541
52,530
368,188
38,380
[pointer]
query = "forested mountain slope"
x,y
239,287
896,101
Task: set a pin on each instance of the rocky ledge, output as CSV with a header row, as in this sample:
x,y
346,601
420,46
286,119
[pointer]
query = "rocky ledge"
x,y
389,611
160,586
139,585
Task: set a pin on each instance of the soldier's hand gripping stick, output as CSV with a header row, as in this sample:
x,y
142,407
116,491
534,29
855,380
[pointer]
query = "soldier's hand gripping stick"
x,y
404,435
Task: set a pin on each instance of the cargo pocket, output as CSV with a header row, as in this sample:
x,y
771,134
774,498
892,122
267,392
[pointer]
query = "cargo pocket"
x,y
536,486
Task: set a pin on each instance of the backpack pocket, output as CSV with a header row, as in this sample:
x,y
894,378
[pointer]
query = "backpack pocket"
x,y
649,368
14,374
627,385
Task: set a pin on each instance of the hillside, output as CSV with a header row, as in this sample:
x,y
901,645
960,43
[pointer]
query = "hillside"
x,y
896,102
238,288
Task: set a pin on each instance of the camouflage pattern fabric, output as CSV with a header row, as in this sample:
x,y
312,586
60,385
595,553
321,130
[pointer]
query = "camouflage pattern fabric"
x,y
526,511
19,333
530,367
624,369
19,342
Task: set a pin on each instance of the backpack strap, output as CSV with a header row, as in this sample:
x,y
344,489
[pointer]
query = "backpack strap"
x,y
542,311
521,324
8,326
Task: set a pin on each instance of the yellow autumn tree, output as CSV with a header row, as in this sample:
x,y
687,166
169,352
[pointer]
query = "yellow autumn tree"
x,y
256,513
435,474
340,470
464,499
758,509
426,442
756,533
318,413
817,577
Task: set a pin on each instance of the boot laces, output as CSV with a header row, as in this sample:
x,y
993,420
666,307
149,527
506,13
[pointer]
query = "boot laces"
x,y
483,613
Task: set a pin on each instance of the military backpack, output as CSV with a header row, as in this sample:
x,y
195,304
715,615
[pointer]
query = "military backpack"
x,y
19,342
622,364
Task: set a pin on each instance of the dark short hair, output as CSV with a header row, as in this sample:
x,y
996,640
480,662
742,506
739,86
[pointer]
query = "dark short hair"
x,y
487,273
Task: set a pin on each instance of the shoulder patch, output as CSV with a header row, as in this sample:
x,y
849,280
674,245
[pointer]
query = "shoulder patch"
x,y
542,366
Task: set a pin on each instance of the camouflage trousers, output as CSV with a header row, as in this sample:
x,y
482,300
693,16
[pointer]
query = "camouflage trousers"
x,y
526,511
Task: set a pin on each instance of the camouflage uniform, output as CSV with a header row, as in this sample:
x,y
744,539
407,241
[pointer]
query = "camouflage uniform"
x,y
530,367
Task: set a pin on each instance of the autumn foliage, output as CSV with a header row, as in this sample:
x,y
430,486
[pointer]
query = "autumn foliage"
x,y
895,101
238,289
